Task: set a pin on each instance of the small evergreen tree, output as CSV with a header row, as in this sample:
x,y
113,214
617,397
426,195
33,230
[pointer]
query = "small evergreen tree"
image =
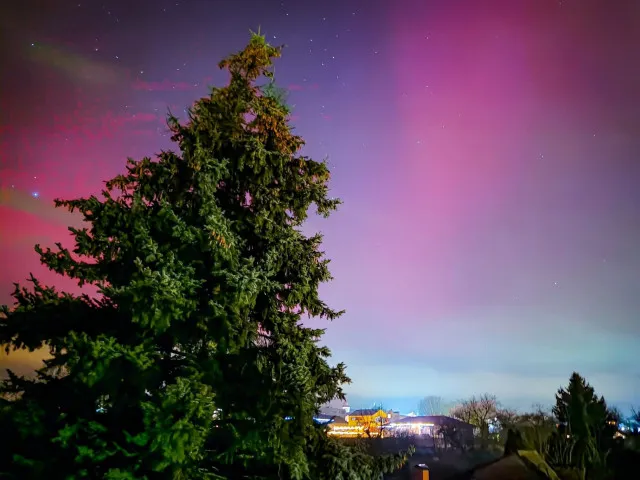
x,y
192,361
584,416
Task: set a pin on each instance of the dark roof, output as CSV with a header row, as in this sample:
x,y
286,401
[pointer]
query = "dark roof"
x,y
509,467
324,416
418,419
435,419
329,419
339,421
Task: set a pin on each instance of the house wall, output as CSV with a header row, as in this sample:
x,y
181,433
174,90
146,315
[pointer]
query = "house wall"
x,y
369,422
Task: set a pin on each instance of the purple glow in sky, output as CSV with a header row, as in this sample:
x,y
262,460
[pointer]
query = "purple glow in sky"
x,y
488,154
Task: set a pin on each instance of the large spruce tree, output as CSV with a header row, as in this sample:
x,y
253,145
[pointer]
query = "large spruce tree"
x,y
191,362
585,417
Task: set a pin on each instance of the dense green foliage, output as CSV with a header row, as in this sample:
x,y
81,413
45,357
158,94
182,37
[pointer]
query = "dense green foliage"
x,y
584,417
192,361
578,440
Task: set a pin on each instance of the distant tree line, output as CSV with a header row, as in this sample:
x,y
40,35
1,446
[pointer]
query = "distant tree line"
x,y
577,436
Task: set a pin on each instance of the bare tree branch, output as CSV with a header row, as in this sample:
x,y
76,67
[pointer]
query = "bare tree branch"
x,y
478,411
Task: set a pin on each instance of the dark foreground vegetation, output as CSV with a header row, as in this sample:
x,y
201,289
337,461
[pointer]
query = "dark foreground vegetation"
x,y
578,439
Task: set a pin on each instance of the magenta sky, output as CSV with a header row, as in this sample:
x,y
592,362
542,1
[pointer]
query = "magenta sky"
x,y
487,153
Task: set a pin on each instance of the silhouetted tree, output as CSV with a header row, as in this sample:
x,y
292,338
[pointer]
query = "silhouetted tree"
x,y
585,418
478,411
192,361
514,441
451,436
506,418
536,428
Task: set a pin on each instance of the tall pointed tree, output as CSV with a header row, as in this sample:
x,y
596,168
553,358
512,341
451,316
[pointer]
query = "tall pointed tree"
x,y
584,416
192,361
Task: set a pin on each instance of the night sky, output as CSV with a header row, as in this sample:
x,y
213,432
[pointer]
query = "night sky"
x,y
487,152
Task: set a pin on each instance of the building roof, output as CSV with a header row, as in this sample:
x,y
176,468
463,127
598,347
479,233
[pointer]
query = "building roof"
x,y
365,411
434,419
511,467
414,420
508,468
323,416
339,421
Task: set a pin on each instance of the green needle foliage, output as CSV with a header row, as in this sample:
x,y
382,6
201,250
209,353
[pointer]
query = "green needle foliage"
x,y
585,418
192,361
